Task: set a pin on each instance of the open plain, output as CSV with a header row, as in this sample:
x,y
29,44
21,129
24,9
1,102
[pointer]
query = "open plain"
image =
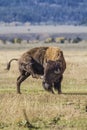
x,y
37,109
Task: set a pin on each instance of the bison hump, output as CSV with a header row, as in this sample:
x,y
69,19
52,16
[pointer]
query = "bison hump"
x,y
55,54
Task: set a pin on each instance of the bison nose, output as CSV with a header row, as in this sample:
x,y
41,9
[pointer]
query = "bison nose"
x,y
45,85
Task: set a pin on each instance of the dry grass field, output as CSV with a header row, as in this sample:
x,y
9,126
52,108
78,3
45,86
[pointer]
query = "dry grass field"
x,y
36,109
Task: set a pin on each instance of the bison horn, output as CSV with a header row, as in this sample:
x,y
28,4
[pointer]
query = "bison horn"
x,y
41,77
29,64
57,71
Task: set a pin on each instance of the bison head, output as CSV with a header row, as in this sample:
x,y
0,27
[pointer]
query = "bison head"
x,y
52,73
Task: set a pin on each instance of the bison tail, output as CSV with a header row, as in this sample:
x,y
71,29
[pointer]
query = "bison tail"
x,y
9,64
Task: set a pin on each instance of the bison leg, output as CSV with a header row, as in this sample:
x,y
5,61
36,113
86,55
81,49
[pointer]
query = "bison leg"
x,y
20,79
57,85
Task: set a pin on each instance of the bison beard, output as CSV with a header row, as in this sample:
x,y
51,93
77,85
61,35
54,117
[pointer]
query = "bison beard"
x,y
48,62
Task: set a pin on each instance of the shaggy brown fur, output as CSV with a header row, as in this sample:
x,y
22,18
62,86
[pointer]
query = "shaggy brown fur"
x,y
55,54
36,62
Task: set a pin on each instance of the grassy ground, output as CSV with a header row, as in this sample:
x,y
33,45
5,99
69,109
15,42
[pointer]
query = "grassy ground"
x,y
37,109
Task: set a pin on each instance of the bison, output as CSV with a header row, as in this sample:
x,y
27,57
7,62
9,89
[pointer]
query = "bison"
x,y
47,62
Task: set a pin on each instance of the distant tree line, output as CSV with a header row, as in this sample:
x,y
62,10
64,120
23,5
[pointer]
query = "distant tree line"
x,y
57,40
44,11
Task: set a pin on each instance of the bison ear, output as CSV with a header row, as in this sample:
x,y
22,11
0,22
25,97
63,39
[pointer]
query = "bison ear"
x,y
58,71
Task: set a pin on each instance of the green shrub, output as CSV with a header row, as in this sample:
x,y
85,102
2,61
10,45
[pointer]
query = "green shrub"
x,y
16,40
49,40
77,40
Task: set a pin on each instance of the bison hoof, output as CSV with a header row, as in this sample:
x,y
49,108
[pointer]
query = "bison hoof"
x,y
60,92
18,92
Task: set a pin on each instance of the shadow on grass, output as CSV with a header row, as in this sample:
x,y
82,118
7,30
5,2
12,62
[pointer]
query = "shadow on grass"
x,y
75,93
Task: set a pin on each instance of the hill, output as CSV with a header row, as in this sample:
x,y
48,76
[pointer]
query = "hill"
x,y
44,11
